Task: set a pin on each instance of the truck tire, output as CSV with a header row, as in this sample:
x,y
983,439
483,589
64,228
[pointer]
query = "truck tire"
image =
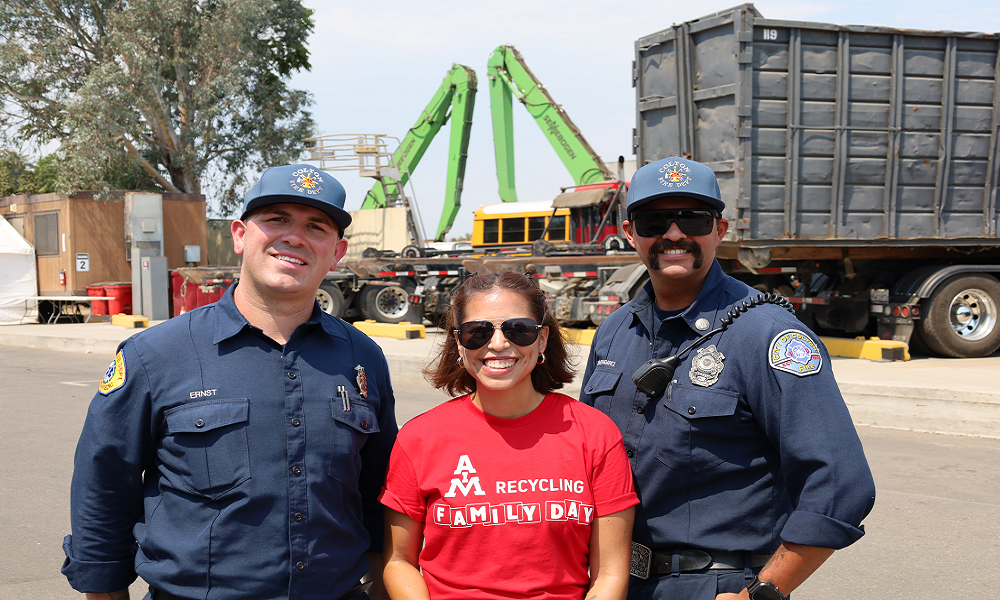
x,y
411,251
960,318
331,299
388,304
615,242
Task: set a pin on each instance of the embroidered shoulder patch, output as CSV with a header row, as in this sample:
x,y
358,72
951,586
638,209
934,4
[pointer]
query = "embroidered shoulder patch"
x,y
114,377
795,352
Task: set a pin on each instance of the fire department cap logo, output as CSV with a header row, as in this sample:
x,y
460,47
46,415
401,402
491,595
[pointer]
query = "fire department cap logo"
x,y
706,366
675,174
362,381
795,352
114,377
307,181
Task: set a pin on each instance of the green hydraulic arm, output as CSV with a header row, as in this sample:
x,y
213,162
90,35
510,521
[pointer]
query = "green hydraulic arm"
x,y
508,74
458,93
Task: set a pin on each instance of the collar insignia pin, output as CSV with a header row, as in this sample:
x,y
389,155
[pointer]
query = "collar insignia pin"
x,y
706,366
362,381
701,324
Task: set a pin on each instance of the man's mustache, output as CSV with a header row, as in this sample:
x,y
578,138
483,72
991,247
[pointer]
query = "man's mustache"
x,y
664,245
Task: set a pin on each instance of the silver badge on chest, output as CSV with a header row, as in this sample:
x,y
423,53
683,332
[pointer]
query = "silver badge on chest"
x,y
706,366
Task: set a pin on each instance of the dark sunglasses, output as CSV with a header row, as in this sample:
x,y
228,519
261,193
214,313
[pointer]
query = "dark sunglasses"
x,y
691,221
476,334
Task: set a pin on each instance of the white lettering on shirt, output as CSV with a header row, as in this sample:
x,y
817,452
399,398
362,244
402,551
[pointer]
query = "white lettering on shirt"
x,y
487,514
465,484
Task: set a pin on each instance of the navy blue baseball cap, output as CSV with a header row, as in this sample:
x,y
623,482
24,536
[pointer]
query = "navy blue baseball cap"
x,y
299,184
674,176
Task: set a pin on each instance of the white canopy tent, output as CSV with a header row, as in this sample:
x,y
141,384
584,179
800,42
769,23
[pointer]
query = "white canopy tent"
x,y
18,274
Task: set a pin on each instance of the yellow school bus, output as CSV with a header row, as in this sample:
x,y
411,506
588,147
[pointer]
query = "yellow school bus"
x,y
518,224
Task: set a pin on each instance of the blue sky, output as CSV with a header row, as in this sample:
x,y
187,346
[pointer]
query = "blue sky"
x,y
376,65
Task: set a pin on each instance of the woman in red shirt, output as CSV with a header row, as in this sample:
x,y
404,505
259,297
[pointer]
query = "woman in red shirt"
x,y
509,490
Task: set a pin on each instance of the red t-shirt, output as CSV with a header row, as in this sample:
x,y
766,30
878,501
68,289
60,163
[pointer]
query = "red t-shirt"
x,y
507,503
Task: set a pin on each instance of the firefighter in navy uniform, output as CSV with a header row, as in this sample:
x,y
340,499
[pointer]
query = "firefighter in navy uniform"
x,y
237,451
748,467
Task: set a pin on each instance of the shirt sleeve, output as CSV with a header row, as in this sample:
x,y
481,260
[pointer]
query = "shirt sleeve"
x,y
375,460
823,464
402,489
611,478
106,494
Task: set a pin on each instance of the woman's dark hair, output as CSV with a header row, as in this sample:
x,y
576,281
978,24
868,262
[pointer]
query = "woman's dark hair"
x,y
446,373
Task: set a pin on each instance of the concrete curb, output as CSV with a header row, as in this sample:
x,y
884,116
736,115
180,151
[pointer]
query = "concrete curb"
x,y
62,344
973,410
924,409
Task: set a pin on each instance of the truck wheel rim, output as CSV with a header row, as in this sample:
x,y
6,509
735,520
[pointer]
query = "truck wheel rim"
x,y
973,314
324,299
391,302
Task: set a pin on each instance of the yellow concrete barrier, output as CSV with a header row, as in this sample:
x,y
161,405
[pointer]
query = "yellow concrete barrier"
x,y
403,330
584,337
130,321
870,349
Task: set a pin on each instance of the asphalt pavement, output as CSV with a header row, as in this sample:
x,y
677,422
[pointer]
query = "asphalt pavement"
x,y
933,533
953,396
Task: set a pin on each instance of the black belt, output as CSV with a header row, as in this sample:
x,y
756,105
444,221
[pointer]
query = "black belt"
x,y
354,592
646,562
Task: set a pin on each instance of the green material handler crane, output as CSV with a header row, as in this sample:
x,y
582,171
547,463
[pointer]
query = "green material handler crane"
x,y
509,75
457,93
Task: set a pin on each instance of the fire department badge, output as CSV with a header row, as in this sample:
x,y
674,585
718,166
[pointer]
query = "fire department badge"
x,y
307,181
114,377
362,381
675,174
706,366
795,352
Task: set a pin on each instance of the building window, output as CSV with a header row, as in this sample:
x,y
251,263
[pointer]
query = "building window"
x,y
17,223
47,234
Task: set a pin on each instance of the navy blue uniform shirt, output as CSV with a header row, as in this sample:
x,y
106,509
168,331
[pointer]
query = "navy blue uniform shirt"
x,y
215,463
763,454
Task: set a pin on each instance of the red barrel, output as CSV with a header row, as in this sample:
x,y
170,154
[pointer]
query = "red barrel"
x,y
122,298
98,308
176,291
190,296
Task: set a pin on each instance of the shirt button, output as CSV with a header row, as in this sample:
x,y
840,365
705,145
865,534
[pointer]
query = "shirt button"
x,y
296,471
364,424
298,516
300,565
291,375
199,423
692,410
630,453
639,410
296,422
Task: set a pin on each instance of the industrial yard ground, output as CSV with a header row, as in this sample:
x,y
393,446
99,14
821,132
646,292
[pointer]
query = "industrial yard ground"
x,y
951,396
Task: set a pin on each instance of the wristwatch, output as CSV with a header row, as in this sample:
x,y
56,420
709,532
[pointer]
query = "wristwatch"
x,y
762,590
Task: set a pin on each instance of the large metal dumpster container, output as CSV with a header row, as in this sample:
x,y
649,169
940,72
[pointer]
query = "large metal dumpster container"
x,y
842,135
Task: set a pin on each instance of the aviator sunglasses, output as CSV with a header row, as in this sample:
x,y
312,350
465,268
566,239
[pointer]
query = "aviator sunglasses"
x,y
476,334
691,221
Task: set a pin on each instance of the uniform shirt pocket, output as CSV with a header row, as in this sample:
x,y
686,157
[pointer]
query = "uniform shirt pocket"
x,y
206,449
703,421
601,388
351,430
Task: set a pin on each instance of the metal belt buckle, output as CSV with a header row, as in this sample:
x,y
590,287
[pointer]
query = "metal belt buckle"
x,y
642,558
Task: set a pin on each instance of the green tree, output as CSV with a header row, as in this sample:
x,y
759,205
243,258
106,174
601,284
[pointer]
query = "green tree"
x,y
177,88
19,176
